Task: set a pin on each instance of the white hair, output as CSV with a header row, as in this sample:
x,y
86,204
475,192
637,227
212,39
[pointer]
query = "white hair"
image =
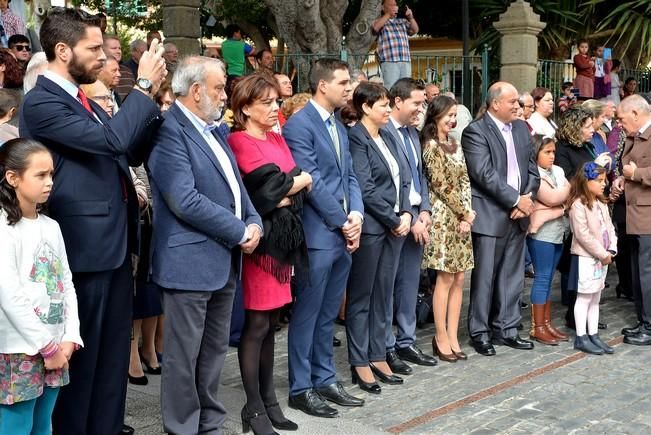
x,y
191,70
36,66
634,102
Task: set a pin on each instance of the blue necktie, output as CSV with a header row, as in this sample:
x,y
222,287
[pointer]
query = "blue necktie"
x,y
412,160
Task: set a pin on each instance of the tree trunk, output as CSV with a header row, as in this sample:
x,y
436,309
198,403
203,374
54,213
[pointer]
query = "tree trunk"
x,y
253,32
314,27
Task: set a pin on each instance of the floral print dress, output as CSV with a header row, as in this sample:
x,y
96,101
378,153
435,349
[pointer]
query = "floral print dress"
x,y
449,249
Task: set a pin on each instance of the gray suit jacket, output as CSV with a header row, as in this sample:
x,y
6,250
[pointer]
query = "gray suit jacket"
x,y
485,152
413,134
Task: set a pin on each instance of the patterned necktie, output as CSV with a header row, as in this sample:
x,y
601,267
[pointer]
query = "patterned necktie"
x,y
332,128
512,169
413,165
84,100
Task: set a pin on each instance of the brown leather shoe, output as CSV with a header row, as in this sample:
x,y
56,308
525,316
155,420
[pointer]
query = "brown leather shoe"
x,y
539,332
560,336
449,357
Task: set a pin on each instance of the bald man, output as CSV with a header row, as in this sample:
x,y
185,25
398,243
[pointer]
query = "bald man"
x,y
504,180
635,182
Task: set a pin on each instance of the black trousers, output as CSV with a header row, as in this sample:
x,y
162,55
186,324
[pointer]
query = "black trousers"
x,y
93,402
641,268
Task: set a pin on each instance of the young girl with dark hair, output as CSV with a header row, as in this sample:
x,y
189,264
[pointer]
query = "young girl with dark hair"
x,y
38,304
595,243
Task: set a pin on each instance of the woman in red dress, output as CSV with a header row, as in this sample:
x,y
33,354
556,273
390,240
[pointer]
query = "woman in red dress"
x,y
277,189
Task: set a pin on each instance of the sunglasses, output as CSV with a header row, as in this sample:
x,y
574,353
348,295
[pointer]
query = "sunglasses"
x,y
20,47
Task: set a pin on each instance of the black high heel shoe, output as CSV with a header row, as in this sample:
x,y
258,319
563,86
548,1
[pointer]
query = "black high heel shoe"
x,y
138,380
258,421
387,379
278,419
149,369
371,387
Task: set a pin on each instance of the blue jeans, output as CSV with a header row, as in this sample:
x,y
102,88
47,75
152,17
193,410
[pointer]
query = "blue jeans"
x,y
393,71
545,257
32,417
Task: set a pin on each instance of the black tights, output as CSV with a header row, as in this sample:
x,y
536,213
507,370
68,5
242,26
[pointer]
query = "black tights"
x,y
256,357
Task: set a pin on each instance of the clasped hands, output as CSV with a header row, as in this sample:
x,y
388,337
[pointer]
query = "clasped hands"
x,y
523,208
352,231
466,223
254,238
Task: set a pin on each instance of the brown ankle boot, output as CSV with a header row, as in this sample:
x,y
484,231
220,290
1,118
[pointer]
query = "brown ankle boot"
x,y
540,333
560,336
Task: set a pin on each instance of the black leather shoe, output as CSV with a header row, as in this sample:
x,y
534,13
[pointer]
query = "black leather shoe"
x,y
126,430
383,377
514,342
416,356
310,402
632,330
397,365
602,325
336,342
370,387
642,338
335,393
483,347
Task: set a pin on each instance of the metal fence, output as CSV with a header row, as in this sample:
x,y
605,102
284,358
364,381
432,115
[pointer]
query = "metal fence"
x,y
446,71
552,74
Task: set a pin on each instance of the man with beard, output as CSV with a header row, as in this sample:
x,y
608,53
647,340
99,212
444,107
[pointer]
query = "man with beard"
x,y
95,204
204,221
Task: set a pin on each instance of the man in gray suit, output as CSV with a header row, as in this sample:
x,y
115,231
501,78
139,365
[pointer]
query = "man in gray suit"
x,y
504,180
203,221
406,98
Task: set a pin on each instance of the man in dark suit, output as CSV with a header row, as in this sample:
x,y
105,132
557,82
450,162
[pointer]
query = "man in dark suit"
x,y
204,219
504,180
407,98
95,204
332,217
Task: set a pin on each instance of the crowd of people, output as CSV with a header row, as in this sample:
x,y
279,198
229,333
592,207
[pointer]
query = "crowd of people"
x,y
166,185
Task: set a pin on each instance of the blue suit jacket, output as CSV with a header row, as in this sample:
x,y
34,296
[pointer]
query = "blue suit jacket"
x,y
375,181
91,161
313,151
413,135
196,232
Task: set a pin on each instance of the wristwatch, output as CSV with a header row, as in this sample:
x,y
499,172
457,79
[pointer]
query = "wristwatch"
x,y
144,84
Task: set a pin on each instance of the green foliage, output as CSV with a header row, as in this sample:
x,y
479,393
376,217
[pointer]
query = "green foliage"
x,y
252,11
629,25
125,15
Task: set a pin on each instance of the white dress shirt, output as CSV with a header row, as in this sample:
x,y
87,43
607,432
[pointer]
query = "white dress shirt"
x,y
414,197
205,131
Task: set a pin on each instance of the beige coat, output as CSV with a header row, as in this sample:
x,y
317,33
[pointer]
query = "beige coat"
x,y
587,231
638,190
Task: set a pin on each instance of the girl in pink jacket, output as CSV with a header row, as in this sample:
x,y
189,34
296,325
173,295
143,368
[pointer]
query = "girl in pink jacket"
x,y
595,243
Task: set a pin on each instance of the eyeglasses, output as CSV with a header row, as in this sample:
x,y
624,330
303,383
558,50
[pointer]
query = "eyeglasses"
x,y
22,47
99,98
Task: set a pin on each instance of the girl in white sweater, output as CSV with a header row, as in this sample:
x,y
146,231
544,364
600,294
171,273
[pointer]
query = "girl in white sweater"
x,y
38,304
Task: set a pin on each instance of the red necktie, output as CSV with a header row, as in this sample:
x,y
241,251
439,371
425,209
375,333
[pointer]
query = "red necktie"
x,y
84,100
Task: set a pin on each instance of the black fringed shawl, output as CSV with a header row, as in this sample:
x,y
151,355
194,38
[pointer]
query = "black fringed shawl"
x,y
283,244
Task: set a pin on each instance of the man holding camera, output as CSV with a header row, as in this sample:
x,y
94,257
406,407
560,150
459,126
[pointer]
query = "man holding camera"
x,y
393,41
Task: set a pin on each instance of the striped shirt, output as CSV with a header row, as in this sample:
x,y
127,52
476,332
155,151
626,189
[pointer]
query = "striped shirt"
x,y
393,41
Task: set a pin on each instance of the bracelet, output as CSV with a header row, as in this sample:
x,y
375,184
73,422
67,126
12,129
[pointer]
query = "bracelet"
x,y
50,350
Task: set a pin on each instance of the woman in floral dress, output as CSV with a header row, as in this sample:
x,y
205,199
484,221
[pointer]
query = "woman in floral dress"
x,y
449,251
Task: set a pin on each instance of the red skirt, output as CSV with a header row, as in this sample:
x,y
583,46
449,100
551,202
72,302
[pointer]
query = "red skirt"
x,y
261,290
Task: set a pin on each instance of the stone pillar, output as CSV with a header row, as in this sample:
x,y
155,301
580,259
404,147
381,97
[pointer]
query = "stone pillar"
x,y
519,27
181,25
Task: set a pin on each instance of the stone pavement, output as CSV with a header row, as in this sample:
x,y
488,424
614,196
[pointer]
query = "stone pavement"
x,y
551,389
